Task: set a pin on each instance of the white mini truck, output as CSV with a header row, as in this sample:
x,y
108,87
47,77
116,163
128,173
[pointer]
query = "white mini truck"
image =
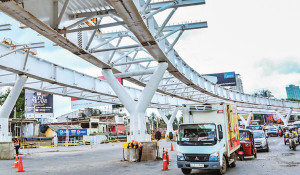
x,y
208,138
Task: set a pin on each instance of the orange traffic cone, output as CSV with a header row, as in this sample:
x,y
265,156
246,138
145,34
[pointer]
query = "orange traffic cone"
x,y
167,156
172,147
16,162
20,166
165,163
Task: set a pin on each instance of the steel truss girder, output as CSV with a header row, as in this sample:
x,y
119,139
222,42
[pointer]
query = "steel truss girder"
x,y
91,28
94,13
4,27
179,3
11,7
177,66
188,26
60,80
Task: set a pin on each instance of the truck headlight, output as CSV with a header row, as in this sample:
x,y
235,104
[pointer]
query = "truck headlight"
x,y
214,156
180,156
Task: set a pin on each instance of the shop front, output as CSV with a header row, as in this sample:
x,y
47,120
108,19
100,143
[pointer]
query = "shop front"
x,y
71,136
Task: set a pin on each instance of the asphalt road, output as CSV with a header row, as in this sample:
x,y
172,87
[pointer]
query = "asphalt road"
x,y
107,159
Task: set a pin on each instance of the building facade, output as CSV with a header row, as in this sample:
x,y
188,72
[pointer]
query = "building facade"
x,y
293,92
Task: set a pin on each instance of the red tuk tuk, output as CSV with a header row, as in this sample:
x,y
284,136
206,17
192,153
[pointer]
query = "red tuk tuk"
x,y
247,144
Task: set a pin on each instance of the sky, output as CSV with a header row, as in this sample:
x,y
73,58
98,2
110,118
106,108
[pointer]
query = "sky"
x,y
257,39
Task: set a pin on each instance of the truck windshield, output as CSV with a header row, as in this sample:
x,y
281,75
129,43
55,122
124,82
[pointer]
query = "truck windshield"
x,y
197,135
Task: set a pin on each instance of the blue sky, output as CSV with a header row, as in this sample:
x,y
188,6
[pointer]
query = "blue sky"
x,y
257,39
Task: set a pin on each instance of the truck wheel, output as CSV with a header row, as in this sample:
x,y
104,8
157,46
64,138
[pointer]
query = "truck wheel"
x,y
223,167
233,164
186,171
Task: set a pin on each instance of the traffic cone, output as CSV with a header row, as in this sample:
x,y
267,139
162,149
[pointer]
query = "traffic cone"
x,y
172,147
165,163
167,156
16,162
20,166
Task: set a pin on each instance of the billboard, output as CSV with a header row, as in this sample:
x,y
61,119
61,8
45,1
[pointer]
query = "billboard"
x,y
38,104
222,79
71,132
79,104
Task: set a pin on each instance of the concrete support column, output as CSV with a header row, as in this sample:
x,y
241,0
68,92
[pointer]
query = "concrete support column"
x,y
7,107
136,109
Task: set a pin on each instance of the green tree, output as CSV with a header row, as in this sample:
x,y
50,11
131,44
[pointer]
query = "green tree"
x,y
263,93
292,99
19,104
181,120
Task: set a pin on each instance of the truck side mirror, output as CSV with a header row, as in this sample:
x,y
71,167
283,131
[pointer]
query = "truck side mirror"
x,y
220,135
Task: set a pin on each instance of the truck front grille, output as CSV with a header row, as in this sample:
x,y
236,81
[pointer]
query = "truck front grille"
x,y
197,157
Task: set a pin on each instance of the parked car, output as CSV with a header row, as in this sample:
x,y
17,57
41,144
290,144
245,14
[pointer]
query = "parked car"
x,y
273,131
254,127
261,140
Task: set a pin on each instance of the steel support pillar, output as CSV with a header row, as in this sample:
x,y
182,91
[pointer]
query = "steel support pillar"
x,y
170,121
242,118
248,120
285,120
138,108
7,107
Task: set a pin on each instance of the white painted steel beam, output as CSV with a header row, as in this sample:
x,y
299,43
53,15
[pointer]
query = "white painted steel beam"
x,y
58,77
188,26
143,30
181,3
4,27
91,28
8,105
135,73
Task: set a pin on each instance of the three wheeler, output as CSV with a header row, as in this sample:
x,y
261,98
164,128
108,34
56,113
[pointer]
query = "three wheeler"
x,y
247,144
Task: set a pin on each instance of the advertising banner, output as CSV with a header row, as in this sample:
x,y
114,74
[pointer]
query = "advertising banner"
x,y
71,132
38,104
222,79
233,127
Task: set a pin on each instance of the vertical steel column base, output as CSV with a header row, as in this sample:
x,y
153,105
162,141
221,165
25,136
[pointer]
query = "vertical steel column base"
x,y
137,109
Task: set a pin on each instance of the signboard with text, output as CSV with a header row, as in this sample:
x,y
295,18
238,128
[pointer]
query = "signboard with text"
x,y
222,79
71,132
38,104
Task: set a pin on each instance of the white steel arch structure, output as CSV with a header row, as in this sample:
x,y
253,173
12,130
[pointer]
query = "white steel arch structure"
x,y
68,23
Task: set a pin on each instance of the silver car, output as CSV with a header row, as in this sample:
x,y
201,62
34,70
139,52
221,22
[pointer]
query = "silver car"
x,y
261,140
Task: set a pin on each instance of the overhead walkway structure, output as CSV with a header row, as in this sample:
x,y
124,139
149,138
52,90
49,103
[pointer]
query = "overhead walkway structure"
x,y
139,49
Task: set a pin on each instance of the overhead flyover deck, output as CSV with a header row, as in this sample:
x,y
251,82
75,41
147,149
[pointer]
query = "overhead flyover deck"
x,y
136,17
